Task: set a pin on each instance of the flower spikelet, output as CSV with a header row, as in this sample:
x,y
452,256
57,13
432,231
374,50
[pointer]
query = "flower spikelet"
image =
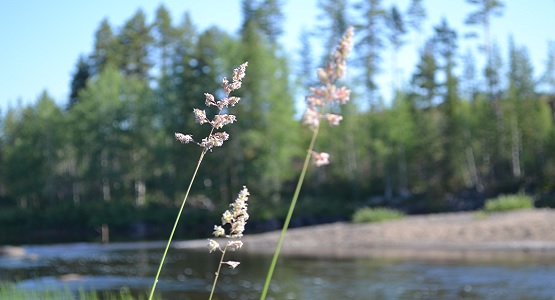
x,y
327,96
320,158
216,139
232,100
218,231
341,52
321,98
183,138
342,95
311,118
210,100
237,217
200,116
222,120
238,75
213,245
234,245
232,264
334,119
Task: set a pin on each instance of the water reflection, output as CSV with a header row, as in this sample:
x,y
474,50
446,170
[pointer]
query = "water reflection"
x,y
188,274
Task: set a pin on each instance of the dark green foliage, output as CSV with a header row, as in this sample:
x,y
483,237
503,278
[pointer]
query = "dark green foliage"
x,y
396,26
33,153
334,15
111,157
397,29
416,14
165,38
305,70
482,16
106,50
485,10
548,77
424,80
267,121
79,81
370,43
268,17
134,41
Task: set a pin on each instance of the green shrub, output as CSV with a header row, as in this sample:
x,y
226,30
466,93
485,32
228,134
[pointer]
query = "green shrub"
x,y
372,215
508,203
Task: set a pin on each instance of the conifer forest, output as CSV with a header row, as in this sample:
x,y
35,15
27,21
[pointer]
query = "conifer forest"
x,y
454,133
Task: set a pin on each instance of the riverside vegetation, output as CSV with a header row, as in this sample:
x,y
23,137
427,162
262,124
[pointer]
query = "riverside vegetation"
x,y
446,140
10,291
508,203
378,214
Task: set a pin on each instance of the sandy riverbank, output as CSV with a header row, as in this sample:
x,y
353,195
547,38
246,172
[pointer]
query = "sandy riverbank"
x,y
438,236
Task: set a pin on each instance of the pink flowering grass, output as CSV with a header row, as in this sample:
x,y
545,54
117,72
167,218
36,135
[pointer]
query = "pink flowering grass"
x,y
214,139
320,101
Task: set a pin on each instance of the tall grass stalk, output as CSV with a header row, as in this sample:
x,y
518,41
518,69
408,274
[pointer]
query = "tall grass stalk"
x,y
289,215
214,139
237,218
175,226
217,275
320,101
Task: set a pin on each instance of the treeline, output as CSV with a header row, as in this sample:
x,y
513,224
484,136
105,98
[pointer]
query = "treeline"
x,y
452,134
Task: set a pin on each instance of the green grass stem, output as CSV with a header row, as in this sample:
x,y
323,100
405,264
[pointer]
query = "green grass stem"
x,y
289,215
175,226
217,274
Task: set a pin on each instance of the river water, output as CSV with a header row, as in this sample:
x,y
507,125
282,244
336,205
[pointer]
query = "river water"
x,y
189,273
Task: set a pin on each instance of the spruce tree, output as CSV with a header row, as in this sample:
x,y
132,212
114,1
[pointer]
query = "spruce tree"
x,y
79,80
415,15
106,48
334,15
485,10
135,41
445,40
370,44
548,77
397,30
424,80
165,37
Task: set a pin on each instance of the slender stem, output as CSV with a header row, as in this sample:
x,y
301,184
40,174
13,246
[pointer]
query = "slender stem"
x,y
175,226
217,273
289,214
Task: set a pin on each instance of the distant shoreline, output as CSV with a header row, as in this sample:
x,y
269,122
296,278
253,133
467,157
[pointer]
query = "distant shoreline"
x,y
463,235
510,236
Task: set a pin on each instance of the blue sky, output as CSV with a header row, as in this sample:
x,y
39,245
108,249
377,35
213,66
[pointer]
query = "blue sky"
x,y
42,40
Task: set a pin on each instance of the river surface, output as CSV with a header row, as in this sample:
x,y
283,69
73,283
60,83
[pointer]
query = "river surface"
x,y
189,273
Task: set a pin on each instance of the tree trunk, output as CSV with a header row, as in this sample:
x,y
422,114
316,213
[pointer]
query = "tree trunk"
x,y
515,148
140,192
